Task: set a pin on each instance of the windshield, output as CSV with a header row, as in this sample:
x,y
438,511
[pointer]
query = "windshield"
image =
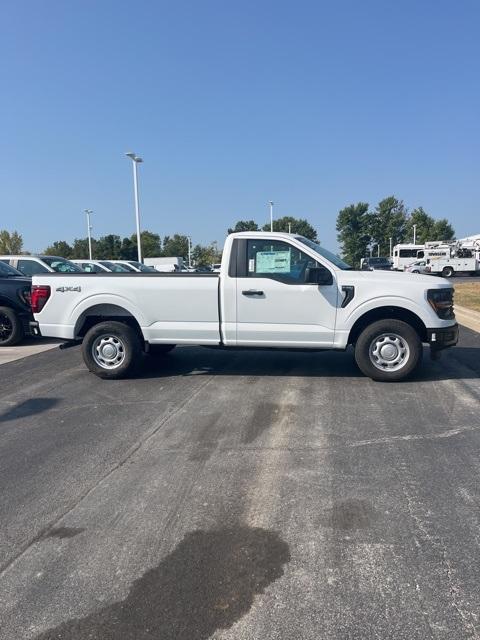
x,y
61,265
331,257
116,268
140,266
7,270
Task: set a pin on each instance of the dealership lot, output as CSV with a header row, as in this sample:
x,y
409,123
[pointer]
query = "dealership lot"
x,y
240,495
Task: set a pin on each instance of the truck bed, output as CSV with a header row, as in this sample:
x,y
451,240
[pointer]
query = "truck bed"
x,y
178,307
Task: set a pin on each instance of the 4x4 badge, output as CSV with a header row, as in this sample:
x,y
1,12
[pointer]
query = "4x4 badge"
x,y
63,289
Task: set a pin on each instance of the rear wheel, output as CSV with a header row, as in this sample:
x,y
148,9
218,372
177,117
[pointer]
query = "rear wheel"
x,y
448,272
388,350
11,329
112,350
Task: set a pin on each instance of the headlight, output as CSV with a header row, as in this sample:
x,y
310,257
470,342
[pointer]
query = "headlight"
x,y
441,301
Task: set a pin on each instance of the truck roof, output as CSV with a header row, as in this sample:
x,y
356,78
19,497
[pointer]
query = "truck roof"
x,y
254,234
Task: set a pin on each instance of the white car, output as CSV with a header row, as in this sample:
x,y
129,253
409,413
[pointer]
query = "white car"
x,y
274,290
31,265
134,266
420,266
100,266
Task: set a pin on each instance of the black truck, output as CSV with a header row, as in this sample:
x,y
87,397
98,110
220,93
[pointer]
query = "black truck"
x,y
15,312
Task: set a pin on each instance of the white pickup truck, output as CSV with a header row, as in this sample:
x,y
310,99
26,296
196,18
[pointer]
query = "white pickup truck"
x,y
274,290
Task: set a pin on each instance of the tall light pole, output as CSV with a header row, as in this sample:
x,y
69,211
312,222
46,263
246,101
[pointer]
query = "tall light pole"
x,y
390,247
136,161
189,252
88,212
414,234
270,203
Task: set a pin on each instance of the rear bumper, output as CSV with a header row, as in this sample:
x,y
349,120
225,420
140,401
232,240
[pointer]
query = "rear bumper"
x,y
34,328
443,338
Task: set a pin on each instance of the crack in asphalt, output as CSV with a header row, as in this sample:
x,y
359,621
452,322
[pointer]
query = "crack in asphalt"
x,y
133,449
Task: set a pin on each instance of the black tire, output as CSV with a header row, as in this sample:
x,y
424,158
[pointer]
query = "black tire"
x,y
388,335
125,350
160,349
11,329
448,272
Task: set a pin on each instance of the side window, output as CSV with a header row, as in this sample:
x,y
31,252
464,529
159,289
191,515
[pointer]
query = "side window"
x,y
31,267
277,260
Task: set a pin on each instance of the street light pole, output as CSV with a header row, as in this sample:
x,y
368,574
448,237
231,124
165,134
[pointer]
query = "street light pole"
x,y
390,247
271,214
414,234
89,232
136,161
189,252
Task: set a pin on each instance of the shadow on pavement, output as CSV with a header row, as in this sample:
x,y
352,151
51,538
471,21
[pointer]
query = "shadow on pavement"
x,y
28,408
207,583
456,363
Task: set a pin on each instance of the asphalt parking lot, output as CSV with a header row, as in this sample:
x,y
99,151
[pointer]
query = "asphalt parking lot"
x,y
240,496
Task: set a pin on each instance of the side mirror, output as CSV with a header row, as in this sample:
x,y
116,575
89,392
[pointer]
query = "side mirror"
x,y
318,275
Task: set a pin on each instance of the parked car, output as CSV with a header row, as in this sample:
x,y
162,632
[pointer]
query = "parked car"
x,y
134,266
15,311
31,265
420,266
100,266
274,290
375,264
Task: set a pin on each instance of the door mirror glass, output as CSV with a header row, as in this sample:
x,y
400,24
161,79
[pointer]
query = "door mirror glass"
x,y
318,275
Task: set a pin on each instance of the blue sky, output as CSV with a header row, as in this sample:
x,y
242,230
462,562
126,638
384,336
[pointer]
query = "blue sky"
x,y
311,104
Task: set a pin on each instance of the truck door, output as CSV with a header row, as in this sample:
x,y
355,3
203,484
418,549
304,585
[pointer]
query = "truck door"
x,y
274,304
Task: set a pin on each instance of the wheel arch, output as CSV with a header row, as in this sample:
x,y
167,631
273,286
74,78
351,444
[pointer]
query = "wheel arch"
x,y
386,313
101,313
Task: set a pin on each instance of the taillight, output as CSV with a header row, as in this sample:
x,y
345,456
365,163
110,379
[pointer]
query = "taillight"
x,y
40,295
24,295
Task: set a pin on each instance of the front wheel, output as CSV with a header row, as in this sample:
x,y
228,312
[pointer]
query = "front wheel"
x,y
388,350
111,350
11,330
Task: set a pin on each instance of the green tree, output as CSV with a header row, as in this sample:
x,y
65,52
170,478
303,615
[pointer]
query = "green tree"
x,y
297,225
427,228
424,226
151,244
389,220
10,243
204,256
60,248
128,250
108,247
244,225
443,230
353,235
175,246
80,249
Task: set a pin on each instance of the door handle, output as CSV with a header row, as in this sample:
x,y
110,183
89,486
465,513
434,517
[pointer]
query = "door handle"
x,y
252,292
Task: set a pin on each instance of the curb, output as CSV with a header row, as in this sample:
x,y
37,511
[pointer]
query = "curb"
x,y
468,318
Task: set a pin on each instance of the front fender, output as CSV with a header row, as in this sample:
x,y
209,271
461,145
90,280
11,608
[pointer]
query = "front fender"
x,y
423,311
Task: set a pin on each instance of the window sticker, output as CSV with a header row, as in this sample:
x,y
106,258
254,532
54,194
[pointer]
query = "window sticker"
x,y
251,265
273,262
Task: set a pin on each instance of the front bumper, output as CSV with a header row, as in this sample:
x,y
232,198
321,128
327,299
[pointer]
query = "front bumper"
x,y
443,338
